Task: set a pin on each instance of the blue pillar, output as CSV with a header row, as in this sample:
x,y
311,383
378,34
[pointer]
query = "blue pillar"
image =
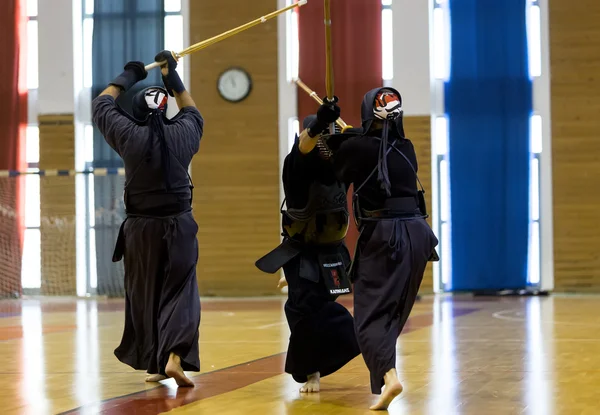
x,y
488,100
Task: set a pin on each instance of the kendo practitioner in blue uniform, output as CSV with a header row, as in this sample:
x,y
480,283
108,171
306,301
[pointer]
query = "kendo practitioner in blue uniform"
x,y
314,258
395,241
158,238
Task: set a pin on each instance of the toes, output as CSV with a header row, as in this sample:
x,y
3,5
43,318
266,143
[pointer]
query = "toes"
x,y
155,378
309,389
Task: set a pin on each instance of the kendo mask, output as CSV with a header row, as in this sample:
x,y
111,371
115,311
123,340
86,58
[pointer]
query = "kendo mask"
x,y
388,105
383,104
149,100
322,147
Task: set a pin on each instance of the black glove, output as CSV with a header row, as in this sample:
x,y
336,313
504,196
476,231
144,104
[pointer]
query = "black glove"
x,y
327,114
134,73
172,81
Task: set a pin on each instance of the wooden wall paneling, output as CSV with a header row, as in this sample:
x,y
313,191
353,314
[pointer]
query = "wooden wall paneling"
x,y
236,172
57,205
575,99
418,130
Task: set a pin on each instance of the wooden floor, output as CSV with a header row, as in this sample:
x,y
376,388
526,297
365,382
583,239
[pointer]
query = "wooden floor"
x,y
457,355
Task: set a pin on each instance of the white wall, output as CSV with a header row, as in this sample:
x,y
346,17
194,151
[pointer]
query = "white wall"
x,y
55,25
411,55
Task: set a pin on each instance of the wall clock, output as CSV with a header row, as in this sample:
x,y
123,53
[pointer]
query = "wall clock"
x,y
234,84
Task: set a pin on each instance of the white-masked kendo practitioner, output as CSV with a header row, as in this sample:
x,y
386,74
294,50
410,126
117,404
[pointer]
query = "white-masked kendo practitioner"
x,y
395,240
158,238
314,258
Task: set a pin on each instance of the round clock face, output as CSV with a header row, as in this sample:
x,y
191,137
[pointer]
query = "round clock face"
x,y
234,85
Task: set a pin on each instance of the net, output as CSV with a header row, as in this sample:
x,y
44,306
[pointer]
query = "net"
x,y
57,234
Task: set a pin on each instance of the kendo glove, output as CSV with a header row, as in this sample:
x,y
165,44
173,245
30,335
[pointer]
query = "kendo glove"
x,y
327,114
135,72
172,81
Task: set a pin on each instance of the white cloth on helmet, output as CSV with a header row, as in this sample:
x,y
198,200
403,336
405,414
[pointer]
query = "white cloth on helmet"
x,y
156,98
388,105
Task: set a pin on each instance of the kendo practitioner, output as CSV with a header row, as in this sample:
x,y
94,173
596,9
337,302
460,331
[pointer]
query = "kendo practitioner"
x,y
158,237
314,258
395,241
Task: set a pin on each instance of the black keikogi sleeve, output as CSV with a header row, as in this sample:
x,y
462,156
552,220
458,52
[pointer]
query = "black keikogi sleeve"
x,y
186,132
116,128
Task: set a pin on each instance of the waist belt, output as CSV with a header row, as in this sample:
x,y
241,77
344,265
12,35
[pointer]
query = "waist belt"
x,y
120,243
396,207
158,213
290,249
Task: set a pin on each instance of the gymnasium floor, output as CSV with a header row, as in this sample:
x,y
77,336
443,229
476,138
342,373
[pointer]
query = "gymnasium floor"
x,y
457,355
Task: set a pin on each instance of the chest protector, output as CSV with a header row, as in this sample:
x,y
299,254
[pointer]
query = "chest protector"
x,y
323,220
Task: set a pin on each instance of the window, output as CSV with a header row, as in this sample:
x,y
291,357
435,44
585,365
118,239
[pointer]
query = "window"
x,y
31,271
387,41
88,145
32,154
32,53
443,201
173,40
441,40
173,6
32,144
534,44
173,35
88,8
541,271
534,265
439,73
534,38
88,30
174,30
293,44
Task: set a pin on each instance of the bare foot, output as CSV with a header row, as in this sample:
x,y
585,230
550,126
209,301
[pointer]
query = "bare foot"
x,y
154,377
313,384
393,388
175,371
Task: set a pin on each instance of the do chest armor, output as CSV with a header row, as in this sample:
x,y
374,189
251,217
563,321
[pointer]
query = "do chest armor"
x,y
323,220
